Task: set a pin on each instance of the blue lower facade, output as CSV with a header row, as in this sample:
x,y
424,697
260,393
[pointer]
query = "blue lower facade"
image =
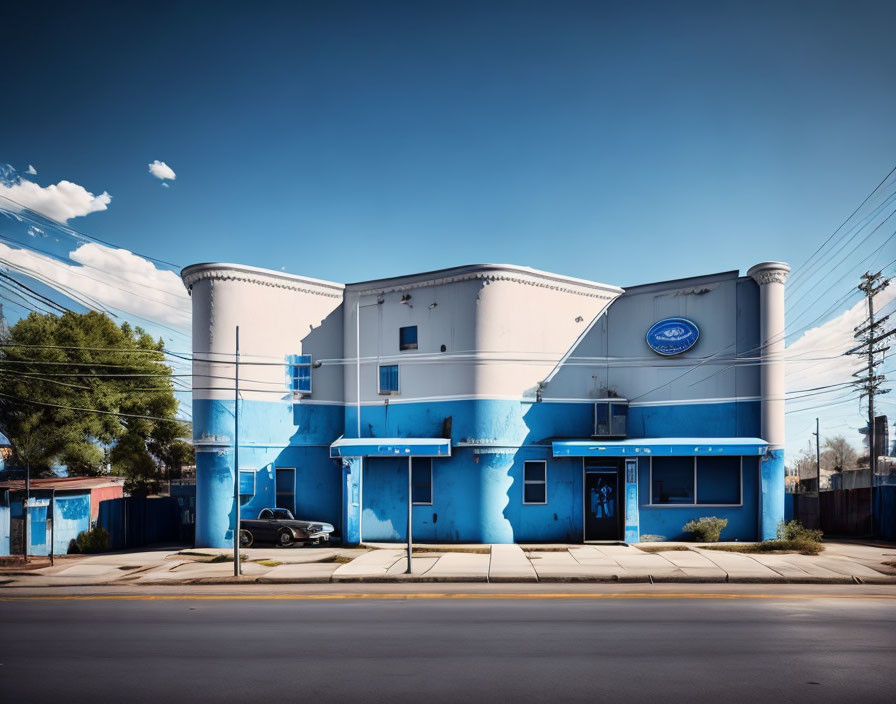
x,y
477,494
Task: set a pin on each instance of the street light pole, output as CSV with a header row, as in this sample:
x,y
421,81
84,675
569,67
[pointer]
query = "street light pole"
x,y
236,456
410,511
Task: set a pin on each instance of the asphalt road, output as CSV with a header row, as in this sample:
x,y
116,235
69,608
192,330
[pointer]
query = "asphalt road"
x,y
659,649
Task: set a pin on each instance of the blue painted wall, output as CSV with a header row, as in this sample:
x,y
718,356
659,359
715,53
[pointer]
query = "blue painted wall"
x,y
4,522
71,515
271,435
477,493
476,498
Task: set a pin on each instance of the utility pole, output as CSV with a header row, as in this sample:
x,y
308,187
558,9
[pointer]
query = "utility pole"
x,y
870,334
817,457
236,455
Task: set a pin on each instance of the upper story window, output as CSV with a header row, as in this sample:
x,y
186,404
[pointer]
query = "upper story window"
x,y
610,418
407,338
301,373
388,379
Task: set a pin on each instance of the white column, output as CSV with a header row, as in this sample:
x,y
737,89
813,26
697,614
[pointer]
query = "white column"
x,y
771,277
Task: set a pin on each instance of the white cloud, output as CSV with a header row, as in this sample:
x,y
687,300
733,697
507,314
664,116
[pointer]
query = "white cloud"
x,y
31,170
62,202
165,185
161,170
817,359
114,278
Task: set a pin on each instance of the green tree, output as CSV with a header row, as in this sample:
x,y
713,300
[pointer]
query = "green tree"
x,y
79,390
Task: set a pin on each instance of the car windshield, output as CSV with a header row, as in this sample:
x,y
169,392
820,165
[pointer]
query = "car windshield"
x,y
283,514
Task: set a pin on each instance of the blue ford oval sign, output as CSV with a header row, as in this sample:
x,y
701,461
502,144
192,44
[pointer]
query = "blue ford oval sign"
x,y
672,336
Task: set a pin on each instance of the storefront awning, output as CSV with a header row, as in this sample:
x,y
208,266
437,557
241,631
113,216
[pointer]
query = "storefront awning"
x,y
391,447
648,447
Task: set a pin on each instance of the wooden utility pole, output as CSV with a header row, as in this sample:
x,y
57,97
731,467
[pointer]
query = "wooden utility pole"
x,y
870,334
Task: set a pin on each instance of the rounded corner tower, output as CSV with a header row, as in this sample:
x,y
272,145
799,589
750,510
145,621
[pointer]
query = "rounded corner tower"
x,y
287,325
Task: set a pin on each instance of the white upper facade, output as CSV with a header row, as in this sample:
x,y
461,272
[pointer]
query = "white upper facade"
x,y
482,331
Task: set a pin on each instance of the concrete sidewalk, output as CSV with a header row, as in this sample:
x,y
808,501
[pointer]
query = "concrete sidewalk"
x,y
840,563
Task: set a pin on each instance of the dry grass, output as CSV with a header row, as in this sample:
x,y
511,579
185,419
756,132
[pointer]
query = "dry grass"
x,y
662,548
803,547
342,559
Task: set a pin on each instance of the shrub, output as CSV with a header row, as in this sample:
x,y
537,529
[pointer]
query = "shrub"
x,y
94,540
706,529
794,530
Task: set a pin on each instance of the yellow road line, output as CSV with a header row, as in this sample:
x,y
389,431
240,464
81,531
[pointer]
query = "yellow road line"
x,y
424,596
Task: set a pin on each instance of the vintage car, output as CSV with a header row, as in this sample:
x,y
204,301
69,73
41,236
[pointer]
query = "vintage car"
x,y
278,525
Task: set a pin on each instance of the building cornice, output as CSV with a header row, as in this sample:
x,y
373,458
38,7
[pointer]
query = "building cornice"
x,y
489,273
260,277
769,273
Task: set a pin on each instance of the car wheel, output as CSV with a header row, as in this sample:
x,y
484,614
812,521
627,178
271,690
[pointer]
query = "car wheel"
x,y
246,538
284,539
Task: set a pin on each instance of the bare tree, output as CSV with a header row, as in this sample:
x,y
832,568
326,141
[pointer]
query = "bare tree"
x,y
839,454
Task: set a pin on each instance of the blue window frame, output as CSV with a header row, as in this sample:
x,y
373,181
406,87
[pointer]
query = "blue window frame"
x,y
535,487
301,373
421,480
696,481
388,379
247,486
407,338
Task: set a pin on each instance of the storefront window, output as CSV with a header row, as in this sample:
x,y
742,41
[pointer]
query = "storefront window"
x,y
672,480
718,480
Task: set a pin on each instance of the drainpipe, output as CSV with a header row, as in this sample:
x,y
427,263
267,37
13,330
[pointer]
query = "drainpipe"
x,y
771,277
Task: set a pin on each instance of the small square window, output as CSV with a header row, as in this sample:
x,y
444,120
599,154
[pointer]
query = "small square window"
x,y
407,338
421,480
301,373
535,482
388,379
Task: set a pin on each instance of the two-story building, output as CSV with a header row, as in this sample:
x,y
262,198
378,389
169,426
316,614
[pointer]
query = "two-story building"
x,y
492,403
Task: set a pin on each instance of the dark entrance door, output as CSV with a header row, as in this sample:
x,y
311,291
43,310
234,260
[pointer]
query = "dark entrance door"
x,y
603,508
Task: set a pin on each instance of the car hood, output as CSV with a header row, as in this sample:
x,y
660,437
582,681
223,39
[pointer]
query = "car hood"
x,y
303,525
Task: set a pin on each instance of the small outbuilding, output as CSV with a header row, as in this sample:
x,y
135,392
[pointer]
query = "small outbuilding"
x,y
57,510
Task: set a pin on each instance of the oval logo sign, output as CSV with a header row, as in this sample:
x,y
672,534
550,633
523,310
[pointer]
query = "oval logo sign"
x,y
672,336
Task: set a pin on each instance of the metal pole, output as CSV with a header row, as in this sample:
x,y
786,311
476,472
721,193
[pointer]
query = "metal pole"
x,y
27,501
358,361
410,514
236,455
52,523
817,458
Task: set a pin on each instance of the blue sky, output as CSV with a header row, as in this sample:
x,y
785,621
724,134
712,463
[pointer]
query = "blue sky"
x,y
620,141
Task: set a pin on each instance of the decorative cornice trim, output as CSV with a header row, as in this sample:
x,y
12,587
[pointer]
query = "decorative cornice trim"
x,y
599,291
260,277
769,273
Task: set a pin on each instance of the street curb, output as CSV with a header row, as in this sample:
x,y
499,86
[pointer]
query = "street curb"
x,y
423,579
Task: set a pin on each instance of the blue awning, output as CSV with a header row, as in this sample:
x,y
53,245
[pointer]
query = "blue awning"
x,y
649,447
391,447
